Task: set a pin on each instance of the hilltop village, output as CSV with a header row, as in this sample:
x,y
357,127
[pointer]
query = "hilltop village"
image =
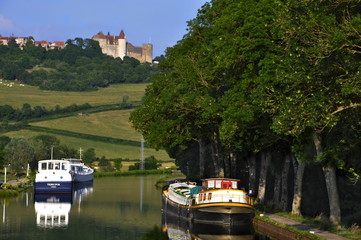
x,y
116,46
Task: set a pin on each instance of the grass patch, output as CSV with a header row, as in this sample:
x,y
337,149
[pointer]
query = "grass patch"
x,y
299,232
17,95
109,150
322,222
162,182
113,124
108,132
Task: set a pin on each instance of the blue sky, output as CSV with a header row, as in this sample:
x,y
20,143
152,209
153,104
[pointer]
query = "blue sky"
x,y
161,22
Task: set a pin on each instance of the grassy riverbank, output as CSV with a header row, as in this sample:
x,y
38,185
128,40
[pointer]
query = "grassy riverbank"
x,y
132,173
323,223
320,222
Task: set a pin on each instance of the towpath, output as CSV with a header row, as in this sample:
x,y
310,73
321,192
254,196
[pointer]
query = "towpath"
x,y
304,227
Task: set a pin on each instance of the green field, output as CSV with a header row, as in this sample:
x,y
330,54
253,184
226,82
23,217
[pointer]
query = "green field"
x,y
101,149
17,95
112,124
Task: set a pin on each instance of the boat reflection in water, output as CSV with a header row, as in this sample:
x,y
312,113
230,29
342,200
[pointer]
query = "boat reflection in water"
x,y
178,228
52,210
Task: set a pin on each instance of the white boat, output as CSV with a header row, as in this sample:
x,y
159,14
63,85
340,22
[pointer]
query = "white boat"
x,y
218,200
53,176
80,172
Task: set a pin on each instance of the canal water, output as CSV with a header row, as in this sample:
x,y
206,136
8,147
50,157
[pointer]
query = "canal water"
x,y
110,208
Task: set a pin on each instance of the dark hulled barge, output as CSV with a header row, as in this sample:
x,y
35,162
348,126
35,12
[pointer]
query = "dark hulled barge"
x,y
217,201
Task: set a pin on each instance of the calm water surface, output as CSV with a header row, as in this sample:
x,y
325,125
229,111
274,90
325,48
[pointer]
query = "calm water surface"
x,y
110,208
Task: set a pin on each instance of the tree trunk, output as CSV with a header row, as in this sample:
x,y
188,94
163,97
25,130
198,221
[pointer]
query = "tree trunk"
x,y
299,169
219,156
284,193
214,160
252,171
218,161
227,166
202,149
265,159
331,184
233,162
277,191
332,191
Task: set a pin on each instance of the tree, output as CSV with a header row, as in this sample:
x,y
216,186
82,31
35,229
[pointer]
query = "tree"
x,y
251,75
4,140
105,165
43,145
64,151
18,154
89,156
320,60
117,164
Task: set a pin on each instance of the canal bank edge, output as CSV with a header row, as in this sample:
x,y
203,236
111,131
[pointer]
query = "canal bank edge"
x,y
281,228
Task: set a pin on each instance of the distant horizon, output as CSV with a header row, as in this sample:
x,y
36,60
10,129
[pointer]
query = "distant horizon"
x,y
161,23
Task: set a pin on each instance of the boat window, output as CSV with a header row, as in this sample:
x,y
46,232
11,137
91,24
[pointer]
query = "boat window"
x,y
209,196
63,166
211,184
226,185
56,166
50,166
43,166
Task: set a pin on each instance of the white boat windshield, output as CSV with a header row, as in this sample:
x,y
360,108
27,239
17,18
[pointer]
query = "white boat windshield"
x,y
53,166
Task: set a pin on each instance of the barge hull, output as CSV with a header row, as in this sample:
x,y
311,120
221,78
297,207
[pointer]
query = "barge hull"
x,y
53,187
223,214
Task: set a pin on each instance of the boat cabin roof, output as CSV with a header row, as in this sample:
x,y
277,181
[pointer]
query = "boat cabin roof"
x,y
73,160
220,183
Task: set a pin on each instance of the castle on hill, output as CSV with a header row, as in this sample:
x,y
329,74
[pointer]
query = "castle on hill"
x,y
117,46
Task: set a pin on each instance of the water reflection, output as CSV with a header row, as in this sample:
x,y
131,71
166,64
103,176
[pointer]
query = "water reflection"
x,y
52,210
180,229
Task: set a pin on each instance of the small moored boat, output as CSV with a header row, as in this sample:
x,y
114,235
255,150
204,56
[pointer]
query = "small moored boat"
x,y
218,200
53,177
80,172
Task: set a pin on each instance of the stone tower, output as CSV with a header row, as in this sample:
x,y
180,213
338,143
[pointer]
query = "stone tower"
x,y
117,46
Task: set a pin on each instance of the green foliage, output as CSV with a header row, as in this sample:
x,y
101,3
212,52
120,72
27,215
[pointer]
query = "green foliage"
x,y
80,66
89,156
251,76
105,165
8,113
149,164
18,154
117,164
132,173
4,140
8,193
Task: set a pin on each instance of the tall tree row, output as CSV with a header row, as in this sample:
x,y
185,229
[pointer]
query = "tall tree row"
x,y
268,83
